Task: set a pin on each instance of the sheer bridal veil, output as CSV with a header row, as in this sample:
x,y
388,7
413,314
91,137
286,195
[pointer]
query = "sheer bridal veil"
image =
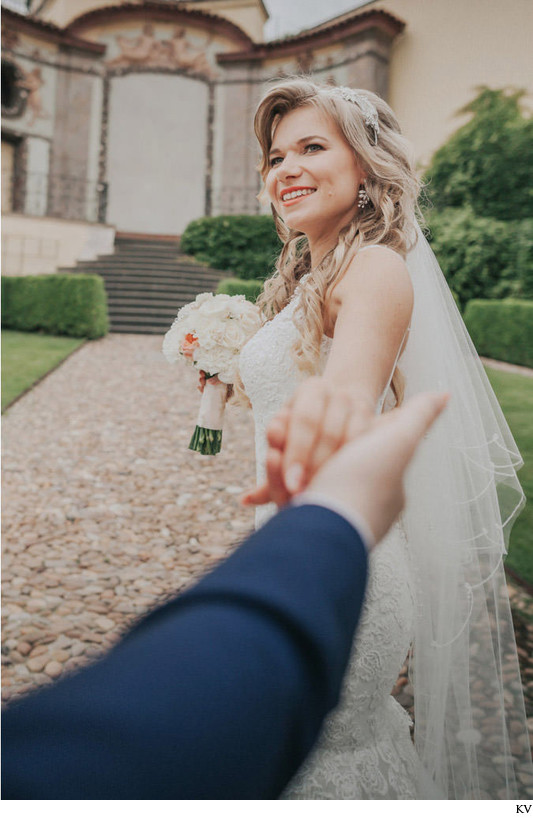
x,y
462,499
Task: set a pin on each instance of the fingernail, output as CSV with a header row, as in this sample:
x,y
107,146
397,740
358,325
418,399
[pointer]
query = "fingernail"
x,y
294,477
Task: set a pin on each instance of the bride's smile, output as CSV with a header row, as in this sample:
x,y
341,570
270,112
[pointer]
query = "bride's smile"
x,y
314,177
290,195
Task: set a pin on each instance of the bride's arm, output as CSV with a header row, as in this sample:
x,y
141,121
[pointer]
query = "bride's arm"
x,y
368,315
369,311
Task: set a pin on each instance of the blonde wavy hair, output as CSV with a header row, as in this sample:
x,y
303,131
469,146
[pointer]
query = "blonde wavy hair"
x,y
388,219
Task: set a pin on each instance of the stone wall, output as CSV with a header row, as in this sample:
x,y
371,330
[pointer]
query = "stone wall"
x,y
31,246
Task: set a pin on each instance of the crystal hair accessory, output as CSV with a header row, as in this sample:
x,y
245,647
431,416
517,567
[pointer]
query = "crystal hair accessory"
x,y
368,110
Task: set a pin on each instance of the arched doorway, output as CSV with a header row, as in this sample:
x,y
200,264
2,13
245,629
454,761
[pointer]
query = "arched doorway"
x,y
156,152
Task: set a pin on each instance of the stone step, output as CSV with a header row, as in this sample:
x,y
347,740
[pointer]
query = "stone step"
x,y
166,310
116,263
152,276
139,329
157,280
143,298
143,304
157,287
130,290
150,272
147,281
145,257
157,272
156,319
144,246
162,252
144,240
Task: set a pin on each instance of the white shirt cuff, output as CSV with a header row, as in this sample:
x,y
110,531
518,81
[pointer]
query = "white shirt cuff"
x,y
356,520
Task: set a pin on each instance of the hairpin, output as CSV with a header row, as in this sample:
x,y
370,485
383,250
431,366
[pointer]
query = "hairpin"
x,y
368,110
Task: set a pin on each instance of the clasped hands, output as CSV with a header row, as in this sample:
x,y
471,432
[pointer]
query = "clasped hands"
x,y
317,422
331,441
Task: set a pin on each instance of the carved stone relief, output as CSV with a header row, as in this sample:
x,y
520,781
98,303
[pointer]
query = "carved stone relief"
x,y
148,51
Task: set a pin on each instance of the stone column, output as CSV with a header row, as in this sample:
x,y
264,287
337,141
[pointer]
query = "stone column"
x,y
368,57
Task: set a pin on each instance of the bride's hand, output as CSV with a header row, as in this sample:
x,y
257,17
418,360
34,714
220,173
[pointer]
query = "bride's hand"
x,y
203,378
318,420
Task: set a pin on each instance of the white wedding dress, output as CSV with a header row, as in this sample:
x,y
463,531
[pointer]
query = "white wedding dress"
x,y
365,749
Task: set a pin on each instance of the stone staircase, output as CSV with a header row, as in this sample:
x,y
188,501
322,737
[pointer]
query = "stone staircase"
x,y
147,280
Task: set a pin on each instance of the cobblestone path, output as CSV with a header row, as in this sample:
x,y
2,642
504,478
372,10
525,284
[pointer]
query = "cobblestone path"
x,y
106,511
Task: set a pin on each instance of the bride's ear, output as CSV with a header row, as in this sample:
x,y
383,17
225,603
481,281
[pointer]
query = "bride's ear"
x,y
263,197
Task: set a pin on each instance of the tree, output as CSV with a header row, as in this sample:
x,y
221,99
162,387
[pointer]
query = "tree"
x,y
488,163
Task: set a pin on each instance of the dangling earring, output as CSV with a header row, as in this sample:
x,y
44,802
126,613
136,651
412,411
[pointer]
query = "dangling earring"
x,y
362,198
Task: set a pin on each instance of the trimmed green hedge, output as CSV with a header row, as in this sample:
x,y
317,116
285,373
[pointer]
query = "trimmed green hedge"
x,y
238,286
252,288
74,305
482,257
502,330
248,246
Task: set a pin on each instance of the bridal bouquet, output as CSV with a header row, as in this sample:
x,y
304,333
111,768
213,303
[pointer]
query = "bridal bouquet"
x,y
209,334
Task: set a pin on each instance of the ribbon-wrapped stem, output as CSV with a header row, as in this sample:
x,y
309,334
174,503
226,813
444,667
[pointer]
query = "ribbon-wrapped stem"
x,y
207,436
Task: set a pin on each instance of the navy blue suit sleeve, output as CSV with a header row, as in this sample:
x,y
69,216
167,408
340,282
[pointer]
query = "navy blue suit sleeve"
x,y
219,694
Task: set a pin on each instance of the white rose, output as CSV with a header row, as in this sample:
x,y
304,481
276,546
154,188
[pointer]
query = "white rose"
x,y
215,360
185,312
238,305
217,308
250,323
248,316
201,298
172,342
234,336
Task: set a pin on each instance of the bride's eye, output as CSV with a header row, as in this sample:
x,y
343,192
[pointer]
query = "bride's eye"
x,y
311,147
275,160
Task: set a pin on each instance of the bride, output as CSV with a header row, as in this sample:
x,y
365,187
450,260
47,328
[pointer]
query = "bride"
x,y
359,316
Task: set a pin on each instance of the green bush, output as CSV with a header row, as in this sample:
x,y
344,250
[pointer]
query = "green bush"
x,y
482,257
238,286
244,245
488,163
502,330
523,240
73,305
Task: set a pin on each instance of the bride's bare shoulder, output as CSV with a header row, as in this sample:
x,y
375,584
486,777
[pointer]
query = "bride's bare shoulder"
x,y
382,251
374,268
376,280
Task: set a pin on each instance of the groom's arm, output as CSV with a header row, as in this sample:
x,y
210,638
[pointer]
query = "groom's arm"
x,y
219,694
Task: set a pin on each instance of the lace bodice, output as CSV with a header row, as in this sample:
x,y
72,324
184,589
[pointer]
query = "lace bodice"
x,y
270,377
365,750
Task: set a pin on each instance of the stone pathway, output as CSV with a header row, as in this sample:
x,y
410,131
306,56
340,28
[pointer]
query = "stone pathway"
x,y
505,367
107,513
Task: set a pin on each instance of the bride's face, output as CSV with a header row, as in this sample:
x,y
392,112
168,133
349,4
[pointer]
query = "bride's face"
x,y
314,177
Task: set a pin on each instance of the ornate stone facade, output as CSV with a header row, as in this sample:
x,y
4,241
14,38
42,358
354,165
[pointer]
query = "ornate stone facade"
x,y
139,114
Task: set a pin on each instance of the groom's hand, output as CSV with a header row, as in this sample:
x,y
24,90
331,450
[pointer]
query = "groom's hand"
x,y
318,420
366,474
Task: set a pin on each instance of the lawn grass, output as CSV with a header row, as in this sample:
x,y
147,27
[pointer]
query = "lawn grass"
x,y
27,356
515,394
